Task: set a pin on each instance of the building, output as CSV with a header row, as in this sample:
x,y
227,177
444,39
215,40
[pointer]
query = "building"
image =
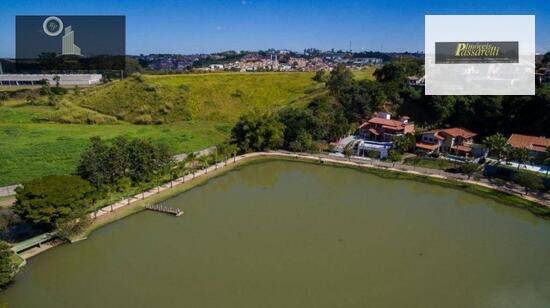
x,y
535,145
456,140
37,79
383,128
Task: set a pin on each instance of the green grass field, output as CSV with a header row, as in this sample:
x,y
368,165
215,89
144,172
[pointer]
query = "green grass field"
x,y
431,163
191,112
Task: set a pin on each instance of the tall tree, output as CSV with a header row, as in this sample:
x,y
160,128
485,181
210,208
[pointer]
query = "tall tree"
x,y
254,132
498,146
53,198
340,79
520,155
94,163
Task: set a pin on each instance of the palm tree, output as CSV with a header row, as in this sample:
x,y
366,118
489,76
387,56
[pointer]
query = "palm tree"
x,y
498,146
233,149
174,175
222,149
348,151
216,157
520,155
204,162
181,169
191,159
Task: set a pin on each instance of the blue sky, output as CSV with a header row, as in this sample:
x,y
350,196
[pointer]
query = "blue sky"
x,y
207,26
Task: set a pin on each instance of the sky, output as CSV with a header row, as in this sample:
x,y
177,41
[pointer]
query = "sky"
x,y
205,26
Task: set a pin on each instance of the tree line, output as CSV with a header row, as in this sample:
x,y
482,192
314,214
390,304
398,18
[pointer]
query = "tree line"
x,y
57,201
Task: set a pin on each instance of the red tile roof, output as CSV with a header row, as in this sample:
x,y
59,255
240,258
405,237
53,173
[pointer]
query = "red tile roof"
x,y
427,146
532,143
458,132
391,123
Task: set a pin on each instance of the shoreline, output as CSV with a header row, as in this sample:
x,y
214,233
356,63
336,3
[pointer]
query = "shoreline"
x,y
135,204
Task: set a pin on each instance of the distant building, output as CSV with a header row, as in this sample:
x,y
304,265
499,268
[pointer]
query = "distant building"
x,y
216,67
367,61
456,140
535,145
37,79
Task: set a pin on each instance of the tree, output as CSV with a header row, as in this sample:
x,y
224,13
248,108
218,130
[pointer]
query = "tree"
x,y
56,78
340,79
397,70
520,155
93,165
8,268
191,159
529,181
497,145
320,76
405,143
233,149
45,89
469,168
394,156
254,132
53,198
348,151
303,142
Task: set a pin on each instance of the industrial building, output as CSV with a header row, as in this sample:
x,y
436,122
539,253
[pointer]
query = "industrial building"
x,y
36,79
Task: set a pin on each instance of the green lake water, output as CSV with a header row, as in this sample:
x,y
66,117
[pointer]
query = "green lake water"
x,y
284,234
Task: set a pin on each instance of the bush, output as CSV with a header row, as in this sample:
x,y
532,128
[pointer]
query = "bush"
x,y
4,96
394,156
529,181
138,77
8,268
143,119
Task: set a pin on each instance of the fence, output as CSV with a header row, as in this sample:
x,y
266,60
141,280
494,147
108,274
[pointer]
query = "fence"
x,y
402,167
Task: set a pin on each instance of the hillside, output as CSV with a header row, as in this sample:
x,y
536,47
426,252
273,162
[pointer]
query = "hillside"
x,y
212,97
190,112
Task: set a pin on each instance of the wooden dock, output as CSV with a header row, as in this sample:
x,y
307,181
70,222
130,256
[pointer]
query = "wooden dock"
x,y
164,209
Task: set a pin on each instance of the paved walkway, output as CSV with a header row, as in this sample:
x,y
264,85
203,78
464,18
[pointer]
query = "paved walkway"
x,y
354,161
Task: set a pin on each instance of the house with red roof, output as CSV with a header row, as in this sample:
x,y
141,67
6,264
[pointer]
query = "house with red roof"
x,y
455,140
383,128
535,145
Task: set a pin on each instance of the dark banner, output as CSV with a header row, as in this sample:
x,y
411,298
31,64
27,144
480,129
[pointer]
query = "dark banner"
x,y
70,43
476,52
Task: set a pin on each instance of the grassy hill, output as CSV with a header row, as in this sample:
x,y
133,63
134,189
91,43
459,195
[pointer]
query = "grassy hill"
x,y
212,97
189,112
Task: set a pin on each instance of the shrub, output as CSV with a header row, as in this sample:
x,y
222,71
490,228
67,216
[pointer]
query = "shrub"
x,y
529,181
8,268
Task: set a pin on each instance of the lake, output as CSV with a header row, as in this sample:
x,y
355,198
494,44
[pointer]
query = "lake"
x,y
289,234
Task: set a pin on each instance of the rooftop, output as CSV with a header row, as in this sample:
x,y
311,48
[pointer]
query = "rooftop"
x,y
533,143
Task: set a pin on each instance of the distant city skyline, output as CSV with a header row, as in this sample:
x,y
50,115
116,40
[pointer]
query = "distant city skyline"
x,y
191,27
